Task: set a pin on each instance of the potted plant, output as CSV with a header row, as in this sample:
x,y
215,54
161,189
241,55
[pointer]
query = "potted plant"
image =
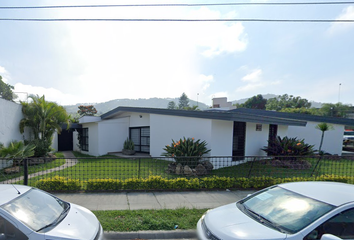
x,y
128,147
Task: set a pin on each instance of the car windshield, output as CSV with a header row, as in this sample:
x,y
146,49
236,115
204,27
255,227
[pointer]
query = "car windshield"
x,y
37,209
284,210
349,133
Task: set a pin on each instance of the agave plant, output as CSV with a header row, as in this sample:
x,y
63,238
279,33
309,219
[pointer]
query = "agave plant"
x,y
288,147
186,151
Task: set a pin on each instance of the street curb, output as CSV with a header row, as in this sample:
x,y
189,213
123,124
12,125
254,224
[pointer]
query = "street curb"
x,y
175,234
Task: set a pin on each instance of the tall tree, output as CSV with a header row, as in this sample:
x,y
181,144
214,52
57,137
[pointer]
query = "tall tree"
x,y
255,102
6,90
287,101
335,110
183,101
171,105
43,119
89,110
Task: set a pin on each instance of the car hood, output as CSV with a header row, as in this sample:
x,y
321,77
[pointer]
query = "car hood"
x,y
228,222
80,223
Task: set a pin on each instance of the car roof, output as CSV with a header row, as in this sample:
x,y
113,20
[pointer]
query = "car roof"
x,y
8,192
333,193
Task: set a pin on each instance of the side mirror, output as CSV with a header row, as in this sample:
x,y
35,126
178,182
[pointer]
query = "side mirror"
x,y
2,236
330,237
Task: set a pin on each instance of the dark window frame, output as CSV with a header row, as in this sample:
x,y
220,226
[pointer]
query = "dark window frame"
x,y
138,146
84,140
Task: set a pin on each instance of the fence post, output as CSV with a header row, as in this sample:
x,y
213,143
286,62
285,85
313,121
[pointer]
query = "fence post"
x,y
249,172
139,169
25,171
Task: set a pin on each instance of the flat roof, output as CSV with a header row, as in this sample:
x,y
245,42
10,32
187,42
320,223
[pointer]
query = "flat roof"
x,y
216,115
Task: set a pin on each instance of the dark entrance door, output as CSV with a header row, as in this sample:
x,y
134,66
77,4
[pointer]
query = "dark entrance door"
x,y
239,139
65,140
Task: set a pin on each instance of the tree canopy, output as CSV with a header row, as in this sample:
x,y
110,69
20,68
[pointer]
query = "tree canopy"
x,y
43,119
335,109
183,101
6,90
89,110
255,102
287,101
171,105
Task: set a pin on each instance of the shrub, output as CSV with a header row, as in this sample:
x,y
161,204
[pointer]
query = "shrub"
x,y
288,147
58,184
186,151
128,144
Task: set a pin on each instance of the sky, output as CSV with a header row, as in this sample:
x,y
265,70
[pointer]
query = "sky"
x,y
91,62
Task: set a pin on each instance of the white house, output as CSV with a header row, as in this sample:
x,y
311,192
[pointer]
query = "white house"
x,y
238,132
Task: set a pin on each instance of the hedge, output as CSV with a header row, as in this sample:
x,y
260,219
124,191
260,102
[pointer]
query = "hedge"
x,y
158,183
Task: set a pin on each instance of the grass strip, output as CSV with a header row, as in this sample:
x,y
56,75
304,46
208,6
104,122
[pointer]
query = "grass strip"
x,y
143,220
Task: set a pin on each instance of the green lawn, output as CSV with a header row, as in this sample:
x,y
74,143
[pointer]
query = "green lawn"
x,y
140,220
343,167
33,169
117,168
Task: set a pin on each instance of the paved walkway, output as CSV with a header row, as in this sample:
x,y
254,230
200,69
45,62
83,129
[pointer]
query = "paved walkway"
x,y
153,200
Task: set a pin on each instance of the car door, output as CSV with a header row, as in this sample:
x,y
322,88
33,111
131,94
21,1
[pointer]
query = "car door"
x,y
340,225
10,231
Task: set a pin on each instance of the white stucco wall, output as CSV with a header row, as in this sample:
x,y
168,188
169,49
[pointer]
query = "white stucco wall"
x,y
256,140
221,138
112,134
93,148
165,128
332,142
10,117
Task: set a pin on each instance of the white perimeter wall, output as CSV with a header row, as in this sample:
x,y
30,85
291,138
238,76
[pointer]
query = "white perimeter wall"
x,y
332,142
10,117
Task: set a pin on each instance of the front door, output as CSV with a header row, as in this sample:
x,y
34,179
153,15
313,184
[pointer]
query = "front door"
x,y
239,139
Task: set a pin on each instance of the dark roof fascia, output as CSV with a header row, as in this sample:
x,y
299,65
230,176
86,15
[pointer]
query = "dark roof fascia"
x,y
295,116
216,115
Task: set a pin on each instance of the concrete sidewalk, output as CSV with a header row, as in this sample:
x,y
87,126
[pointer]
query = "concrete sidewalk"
x,y
153,200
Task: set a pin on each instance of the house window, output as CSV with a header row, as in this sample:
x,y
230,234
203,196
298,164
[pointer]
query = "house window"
x,y
141,138
84,140
239,139
258,127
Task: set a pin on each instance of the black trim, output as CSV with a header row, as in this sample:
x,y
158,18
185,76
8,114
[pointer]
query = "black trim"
x,y
141,138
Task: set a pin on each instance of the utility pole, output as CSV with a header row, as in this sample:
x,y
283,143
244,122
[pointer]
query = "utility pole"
x,y
339,93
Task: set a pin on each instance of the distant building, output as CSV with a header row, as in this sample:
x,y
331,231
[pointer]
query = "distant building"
x,y
222,103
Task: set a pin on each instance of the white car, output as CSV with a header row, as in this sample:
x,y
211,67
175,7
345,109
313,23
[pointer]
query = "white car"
x,y
30,213
292,211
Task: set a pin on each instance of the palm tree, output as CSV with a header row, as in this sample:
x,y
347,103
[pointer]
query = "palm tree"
x,y
323,127
16,151
43,118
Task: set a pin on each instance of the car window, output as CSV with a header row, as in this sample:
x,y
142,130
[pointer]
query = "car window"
x,y
9,230
37,209
283,209
341,225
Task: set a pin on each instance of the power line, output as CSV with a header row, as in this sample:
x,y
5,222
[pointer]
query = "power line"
x,y
179,5
177,20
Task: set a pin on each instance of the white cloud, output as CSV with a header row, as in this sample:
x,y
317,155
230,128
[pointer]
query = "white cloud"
x,y
347,14
51,94
253,77
4,74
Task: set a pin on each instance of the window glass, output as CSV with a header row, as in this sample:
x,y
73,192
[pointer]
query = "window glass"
x,y
341,225
9,230
37,209
284,210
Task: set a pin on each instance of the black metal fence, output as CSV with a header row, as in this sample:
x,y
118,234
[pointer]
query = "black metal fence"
x,y
30,171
